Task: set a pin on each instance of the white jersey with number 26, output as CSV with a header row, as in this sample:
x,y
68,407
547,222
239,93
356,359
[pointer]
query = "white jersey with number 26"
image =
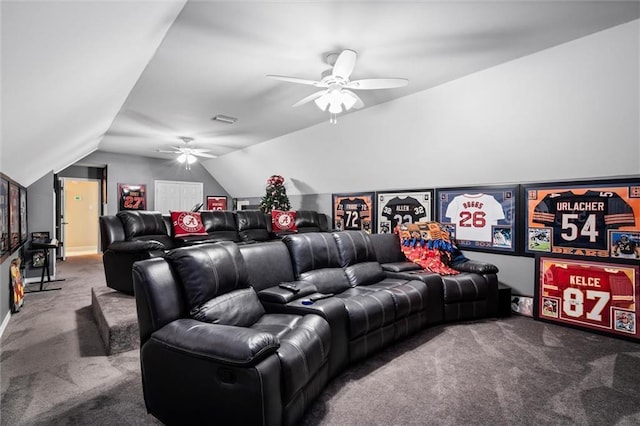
x,y
473,215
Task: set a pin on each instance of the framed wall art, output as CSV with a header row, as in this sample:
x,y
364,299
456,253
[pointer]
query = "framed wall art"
x,y
132,197
394,208
14,215
4,216
354,211
23,215
216,202
601,296
482,218
592,219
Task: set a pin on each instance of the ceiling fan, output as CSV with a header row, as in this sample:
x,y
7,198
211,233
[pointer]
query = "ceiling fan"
x,y
338,95
187,154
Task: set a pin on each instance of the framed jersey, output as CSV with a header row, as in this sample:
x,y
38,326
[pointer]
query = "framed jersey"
x,y
354,211
132,197
593,295
216,202
594,219
480,218
394,208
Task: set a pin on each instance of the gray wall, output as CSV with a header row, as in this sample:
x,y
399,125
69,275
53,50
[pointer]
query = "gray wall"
x,y
40,214
145,170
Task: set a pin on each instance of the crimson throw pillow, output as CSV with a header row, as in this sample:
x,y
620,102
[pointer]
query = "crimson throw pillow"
x,y
283,221
187,223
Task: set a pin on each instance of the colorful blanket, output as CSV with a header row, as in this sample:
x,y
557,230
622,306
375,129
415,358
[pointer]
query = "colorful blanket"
x,y
429,244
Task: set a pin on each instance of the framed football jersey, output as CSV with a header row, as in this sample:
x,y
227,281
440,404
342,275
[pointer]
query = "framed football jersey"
x,y
394,208
593,295
354,211
481,217
593,219
132,197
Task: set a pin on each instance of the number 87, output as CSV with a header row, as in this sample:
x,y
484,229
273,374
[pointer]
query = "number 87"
x,y
573,303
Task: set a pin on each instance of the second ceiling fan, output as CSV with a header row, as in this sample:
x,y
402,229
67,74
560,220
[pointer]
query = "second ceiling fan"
x,y
338,95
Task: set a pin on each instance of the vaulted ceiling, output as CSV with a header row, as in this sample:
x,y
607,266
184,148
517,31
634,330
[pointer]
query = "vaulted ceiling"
x,y
133,77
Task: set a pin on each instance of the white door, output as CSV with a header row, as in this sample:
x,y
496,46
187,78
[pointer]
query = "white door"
x,y
176,196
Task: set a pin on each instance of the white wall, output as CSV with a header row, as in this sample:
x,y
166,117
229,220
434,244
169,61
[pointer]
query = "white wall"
x,y
553,115
568,112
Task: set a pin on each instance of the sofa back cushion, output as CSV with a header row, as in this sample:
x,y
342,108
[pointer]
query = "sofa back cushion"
x,y
268,264
387,248
358,257
220,225
307,221
142,225
314,257
209,271
139,223
252,225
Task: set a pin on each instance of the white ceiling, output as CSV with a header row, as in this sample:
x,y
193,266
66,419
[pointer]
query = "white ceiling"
x,y
131,77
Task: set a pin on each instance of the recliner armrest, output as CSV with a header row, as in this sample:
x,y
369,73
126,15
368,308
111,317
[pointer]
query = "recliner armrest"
x,y
276,294
226,344
136,246
401,266
475,266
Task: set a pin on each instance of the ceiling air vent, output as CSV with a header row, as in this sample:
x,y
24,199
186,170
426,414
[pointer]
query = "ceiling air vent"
x,y
225,119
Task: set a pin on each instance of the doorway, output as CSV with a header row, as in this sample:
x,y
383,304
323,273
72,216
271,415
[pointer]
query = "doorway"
x,y
81,207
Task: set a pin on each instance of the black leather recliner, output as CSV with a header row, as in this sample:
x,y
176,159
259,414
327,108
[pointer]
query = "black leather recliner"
x,y
472,294
210,352
373,312
127,237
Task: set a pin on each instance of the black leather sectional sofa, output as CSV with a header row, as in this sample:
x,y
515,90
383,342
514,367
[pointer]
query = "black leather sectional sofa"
x,y
132,235
251,334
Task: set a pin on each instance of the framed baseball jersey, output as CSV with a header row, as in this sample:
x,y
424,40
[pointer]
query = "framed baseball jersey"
x,y
594,219
594,295
482,218
394,208
354,211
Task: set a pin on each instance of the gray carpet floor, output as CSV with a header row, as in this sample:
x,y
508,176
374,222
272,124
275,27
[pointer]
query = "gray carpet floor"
x,y
514,371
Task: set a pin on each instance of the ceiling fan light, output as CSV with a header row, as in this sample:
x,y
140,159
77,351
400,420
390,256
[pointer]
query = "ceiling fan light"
x,y
335,108
191,159
181,158
322,102
348,100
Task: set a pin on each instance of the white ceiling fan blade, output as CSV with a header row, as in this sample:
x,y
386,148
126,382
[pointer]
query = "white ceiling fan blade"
x,y
377,83
357,104
344,64
309,98
199,150
202,154
298,80
169,152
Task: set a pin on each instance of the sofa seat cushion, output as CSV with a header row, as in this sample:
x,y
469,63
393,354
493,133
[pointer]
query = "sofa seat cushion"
x,y
464,287
368,310
305,344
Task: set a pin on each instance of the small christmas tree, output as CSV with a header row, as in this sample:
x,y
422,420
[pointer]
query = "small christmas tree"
x,y
276,195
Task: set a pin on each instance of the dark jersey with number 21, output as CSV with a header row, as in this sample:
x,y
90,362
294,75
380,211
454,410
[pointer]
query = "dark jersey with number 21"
x,y
582,220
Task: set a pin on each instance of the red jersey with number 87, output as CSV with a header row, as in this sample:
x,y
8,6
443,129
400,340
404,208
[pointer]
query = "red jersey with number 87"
x,y
587,293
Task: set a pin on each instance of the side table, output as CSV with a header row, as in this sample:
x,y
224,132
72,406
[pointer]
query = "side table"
x,y
504,300
45,246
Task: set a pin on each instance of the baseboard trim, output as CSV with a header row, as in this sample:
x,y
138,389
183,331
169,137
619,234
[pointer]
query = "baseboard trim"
x,y
5,323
